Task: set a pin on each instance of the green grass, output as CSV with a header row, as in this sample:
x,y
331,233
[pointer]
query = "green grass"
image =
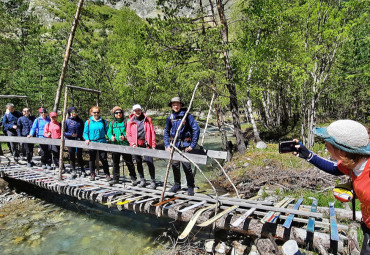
x,y
323,198
360,237
159,120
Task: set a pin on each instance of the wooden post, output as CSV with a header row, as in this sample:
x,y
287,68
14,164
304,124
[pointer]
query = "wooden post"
x,y
61,165
209,114
67,54
174,142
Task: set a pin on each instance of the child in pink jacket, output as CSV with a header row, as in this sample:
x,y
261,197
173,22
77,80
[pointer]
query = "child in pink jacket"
x,y
53,130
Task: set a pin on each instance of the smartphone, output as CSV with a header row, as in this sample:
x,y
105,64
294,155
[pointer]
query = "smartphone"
x,y
288,146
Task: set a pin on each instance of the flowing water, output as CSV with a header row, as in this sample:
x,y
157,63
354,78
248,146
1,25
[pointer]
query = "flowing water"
x,y
35,226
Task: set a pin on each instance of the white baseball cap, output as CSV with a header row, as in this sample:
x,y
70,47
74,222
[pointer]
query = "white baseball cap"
x,y
136,106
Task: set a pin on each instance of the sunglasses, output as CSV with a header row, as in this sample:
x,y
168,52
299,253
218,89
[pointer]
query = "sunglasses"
x,y
96,112
118,112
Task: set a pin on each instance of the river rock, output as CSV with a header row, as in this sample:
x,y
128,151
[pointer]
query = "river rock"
x,y
35,237
290,248
18,239
208,246
254,251
238,248
222,248
34,231
261,145
265,246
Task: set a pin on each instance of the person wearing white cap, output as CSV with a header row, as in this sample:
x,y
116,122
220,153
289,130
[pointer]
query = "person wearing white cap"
x,y
347,141
140,133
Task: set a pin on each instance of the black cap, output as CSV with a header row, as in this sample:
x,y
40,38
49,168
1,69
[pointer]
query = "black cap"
x,y
72,109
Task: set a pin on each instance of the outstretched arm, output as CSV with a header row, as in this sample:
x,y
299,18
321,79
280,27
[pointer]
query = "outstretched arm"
x,y
321,163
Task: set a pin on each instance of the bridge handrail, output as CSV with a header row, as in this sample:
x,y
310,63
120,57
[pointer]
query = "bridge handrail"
x,y
197,158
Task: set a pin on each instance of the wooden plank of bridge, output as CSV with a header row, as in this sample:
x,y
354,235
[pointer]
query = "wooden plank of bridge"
x,y
243,204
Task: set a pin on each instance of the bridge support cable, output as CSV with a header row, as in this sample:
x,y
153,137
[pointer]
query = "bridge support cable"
x,y
175,139
228,177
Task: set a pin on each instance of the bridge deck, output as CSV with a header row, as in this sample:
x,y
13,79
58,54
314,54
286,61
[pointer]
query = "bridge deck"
x,y
124,196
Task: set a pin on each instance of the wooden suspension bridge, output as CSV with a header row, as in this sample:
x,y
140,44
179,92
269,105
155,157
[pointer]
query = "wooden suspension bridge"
x,y
245,216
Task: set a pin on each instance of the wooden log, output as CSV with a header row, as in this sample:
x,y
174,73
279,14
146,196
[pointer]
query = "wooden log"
x,y
353,246
199,159
342,214
84,89
12,96
254,228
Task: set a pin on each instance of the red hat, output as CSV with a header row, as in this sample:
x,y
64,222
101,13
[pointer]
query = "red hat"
x,y
42,109
53,114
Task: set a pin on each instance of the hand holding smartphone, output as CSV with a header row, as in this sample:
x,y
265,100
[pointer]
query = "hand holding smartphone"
x,y
288,146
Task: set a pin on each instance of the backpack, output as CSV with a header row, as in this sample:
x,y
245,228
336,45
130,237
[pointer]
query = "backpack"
x,y
88,124
172,118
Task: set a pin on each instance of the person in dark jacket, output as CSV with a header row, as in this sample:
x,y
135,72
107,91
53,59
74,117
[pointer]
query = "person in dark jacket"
x,y
74,128
187,140
24,125
10,127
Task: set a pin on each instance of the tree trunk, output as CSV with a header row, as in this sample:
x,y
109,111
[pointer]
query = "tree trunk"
x,y
230,80
66,56
249,100
221,127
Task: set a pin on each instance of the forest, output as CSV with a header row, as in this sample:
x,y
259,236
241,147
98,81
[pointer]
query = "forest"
x,y
280,65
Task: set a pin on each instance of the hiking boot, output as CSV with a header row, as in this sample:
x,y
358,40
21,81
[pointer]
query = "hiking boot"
x,y
133,181
142,183
191,191
114,181
74,174
92,177
175,188
43,166
108,178
153,185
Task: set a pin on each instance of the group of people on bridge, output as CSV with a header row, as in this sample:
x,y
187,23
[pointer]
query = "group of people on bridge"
x,y
136,131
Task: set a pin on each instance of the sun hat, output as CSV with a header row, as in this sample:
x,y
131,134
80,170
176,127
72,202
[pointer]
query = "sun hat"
x,y
53,114
347,135
72,109
42,109
175,99
116,108
136,106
